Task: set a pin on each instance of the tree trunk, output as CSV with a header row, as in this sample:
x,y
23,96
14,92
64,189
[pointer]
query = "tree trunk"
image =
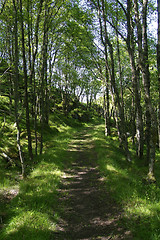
x,y
43,74
120,68
122,126
158,66
32,73
107,112
104,42
135,77
26,87
16,92
146,82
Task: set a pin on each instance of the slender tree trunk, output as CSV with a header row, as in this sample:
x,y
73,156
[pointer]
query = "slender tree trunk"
x,y
32,73
132,120
26,87
135,76
16,92
35,121
120,68
29,7
146,83
122,124
107,112
116,121
139,120
43,74
30,37
139,110
104,42
158,66
46,109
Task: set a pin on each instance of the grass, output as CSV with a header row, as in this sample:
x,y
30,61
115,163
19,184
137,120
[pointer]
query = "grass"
x,y
140,201
33,213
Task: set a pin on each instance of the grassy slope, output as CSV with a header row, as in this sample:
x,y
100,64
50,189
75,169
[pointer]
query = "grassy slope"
x,y
33,213
141,202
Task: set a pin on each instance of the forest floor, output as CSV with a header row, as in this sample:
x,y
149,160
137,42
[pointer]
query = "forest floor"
x,y
80,188
87,208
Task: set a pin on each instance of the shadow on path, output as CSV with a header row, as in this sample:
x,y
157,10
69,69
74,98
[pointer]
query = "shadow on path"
x,y
88,210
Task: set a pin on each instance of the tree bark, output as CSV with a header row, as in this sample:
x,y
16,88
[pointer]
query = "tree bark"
x,y
158,66
114,88
34,52
135,77
104,42
146,83
43,74
26,87
16,92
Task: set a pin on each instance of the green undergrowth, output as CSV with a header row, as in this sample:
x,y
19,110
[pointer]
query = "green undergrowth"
x,y
33,212
29,208
125,181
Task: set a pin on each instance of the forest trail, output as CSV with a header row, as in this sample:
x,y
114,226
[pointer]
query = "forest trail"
x,y
88,211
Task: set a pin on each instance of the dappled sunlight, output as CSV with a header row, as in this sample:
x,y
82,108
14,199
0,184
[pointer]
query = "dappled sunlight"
x,y
139,209
125,182
143,208
65,195
111,168
33,220
35,208
89,212
46,170
33,205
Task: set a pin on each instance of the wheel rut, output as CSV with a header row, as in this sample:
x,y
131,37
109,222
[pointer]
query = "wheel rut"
x,y
88,211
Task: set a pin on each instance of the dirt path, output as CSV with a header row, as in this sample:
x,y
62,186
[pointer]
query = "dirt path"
x,y
88,210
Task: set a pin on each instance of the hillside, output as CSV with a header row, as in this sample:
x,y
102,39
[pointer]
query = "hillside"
x,y
81,187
